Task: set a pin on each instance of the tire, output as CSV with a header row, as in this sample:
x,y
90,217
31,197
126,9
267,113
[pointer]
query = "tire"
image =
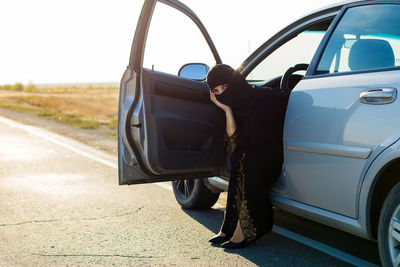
x,y
389,229
193,194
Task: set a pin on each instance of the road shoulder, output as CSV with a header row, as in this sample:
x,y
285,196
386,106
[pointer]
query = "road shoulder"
x,y
96,138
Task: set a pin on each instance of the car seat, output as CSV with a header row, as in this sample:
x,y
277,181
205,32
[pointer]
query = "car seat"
x,y
371,54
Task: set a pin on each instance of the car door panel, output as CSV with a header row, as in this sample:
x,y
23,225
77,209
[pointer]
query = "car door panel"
x,y
332,134
318,119
168,128
186,124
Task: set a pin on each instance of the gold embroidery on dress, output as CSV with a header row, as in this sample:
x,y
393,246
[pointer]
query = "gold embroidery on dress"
x,y
231,218
246,222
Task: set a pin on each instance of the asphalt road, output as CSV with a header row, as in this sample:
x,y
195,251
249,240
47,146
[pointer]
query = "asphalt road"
x,y
61,205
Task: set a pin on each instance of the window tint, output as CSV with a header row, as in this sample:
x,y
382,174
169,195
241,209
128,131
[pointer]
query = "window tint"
x,y
298,50
174,40
367,37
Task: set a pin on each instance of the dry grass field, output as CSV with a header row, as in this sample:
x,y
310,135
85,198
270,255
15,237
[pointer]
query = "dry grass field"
x,y
88,107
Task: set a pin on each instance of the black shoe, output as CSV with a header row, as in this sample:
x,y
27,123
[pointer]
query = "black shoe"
x,y
233,245
219,239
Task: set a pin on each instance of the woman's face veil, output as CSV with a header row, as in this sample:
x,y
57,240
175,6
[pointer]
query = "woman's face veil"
x,y
237,95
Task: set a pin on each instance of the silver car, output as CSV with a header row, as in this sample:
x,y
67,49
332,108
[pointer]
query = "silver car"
x,y
341,67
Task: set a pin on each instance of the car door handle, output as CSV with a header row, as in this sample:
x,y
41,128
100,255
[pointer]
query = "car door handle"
x,y
378,96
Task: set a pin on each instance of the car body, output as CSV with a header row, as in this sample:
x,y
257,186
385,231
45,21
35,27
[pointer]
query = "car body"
x,y
342,128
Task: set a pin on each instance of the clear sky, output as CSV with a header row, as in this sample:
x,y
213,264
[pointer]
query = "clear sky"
x,y
89,41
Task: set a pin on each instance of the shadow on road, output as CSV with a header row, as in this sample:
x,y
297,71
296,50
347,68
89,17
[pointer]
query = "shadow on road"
x,y
211,218
272,248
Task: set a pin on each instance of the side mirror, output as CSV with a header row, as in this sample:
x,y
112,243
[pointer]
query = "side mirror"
x,y
194,71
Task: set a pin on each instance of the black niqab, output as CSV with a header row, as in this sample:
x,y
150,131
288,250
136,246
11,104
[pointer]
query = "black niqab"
x,y
259,112
237,96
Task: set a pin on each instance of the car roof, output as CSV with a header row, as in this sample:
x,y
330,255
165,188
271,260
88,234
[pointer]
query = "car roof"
x,y
339,4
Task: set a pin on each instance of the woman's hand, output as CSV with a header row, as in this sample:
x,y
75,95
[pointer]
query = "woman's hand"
x,y
224,107
230,120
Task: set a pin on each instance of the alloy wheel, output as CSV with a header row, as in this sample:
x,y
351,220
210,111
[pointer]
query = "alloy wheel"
x,y
185,187
394,237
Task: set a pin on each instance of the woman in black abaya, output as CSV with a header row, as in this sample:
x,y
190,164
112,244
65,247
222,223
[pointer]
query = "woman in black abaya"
x,y
253,139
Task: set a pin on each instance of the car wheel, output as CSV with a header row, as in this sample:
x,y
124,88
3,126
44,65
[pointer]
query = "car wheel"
x,y
389,229
193,194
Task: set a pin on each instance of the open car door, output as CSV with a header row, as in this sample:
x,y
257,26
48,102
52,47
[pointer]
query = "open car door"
x,y
168,129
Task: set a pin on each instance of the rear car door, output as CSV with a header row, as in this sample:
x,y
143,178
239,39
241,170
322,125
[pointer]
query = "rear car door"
x,y
345,110
168,128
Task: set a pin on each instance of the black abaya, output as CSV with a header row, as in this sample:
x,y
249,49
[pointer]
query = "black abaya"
x,y
256,152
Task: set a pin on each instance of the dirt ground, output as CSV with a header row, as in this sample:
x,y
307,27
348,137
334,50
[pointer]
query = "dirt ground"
x,y
82,107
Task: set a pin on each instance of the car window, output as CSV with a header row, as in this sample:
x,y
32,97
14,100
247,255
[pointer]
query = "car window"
x,y
174,40
300,49
367,37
